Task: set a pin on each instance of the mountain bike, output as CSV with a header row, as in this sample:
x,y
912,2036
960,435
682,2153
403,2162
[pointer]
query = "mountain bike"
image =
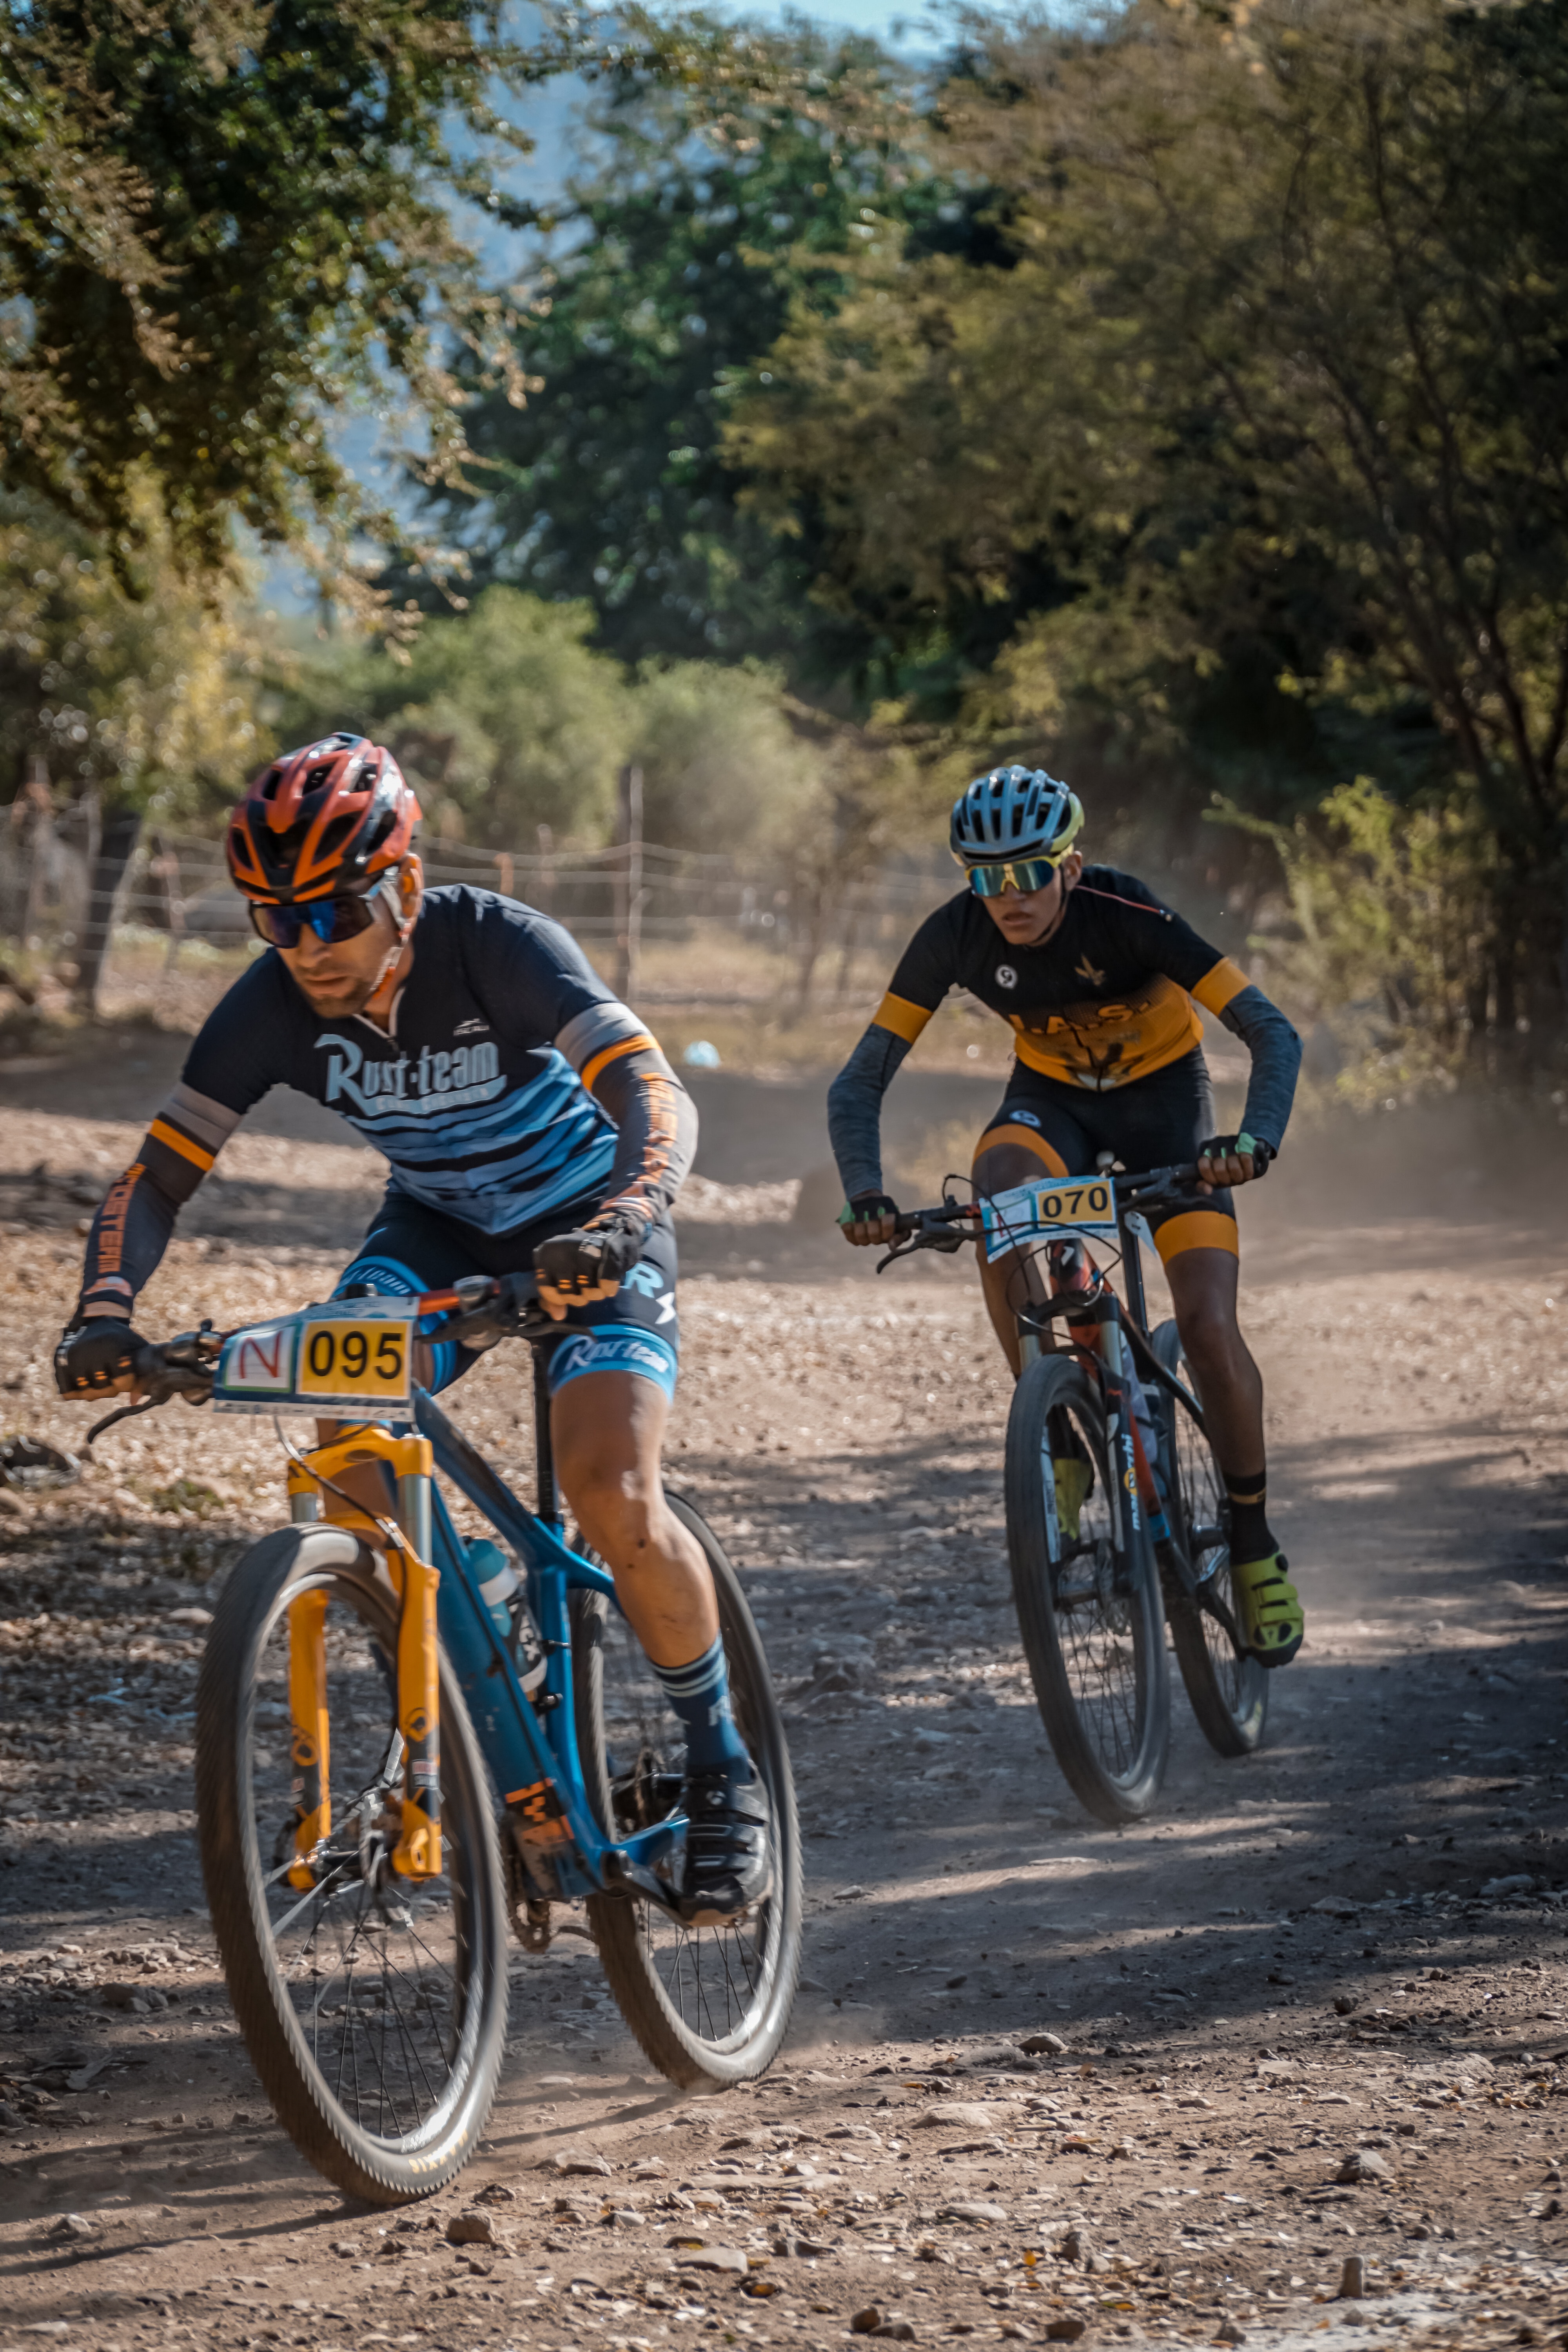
x,y
1116,1509
401,1746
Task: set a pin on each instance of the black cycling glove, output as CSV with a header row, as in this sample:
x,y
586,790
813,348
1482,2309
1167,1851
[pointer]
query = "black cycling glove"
x,y
90,1357
867,1207
1220,1147
593,1260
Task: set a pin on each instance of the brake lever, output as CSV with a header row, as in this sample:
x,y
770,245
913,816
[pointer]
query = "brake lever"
x,y
124,1413
947,1238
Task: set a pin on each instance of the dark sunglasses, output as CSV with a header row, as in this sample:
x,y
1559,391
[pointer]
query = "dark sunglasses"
x,y
1025,874
333,920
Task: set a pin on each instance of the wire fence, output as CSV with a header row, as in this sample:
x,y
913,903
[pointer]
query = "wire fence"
x,y
670,925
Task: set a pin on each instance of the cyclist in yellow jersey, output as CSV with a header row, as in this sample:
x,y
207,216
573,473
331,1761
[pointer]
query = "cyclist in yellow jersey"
x,y
1100,984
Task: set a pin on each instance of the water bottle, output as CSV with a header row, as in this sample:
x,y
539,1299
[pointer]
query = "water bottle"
x,y
500,1589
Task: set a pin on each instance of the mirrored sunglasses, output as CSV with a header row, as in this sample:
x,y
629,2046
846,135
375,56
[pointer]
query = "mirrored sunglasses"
x,y
333,920
1022,873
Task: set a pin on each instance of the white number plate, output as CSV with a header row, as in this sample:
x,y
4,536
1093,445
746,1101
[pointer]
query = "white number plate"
x,y
352,1355
1033,1212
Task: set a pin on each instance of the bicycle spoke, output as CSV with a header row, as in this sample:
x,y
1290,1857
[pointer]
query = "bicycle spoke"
x,y
1093,1617
378,1986
716,1979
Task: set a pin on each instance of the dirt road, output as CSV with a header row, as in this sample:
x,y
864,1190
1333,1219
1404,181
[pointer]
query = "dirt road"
x,y
1316,2009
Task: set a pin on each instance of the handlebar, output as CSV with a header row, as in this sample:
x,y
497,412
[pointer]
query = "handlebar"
x,y
480,1310
937,1229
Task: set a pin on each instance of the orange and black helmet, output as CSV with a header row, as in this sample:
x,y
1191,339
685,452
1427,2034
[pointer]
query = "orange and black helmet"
x,y
320,821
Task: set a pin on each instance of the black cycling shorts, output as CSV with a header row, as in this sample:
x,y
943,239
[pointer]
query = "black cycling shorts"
x,y
411,1248
1151,1122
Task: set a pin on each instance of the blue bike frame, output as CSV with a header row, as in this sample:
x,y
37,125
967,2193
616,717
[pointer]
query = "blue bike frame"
x,y
530,1748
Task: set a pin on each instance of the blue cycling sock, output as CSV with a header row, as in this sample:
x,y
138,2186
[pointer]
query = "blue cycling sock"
x,y
699,1694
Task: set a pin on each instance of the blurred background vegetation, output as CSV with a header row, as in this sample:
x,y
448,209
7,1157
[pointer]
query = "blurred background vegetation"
x,y
1175,396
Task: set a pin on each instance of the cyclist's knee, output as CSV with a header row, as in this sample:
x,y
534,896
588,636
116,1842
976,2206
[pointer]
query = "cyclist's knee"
x,y
1210,1334
998,1166
624,1516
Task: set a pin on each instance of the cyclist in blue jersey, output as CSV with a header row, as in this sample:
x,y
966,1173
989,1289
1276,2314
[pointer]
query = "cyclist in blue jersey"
x,y
529,1121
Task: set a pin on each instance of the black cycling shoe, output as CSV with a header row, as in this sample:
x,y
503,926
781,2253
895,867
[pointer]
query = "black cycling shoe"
x,y
727,1860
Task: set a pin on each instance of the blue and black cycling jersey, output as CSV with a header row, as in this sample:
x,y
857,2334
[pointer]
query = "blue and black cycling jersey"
x,y
511,1090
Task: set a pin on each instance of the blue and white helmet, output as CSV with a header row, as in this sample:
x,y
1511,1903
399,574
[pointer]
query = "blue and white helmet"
x,y
1014,813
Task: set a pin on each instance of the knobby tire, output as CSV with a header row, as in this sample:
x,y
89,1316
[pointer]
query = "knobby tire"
x,y
419,1985
706,2004
1091,1622
1228,1688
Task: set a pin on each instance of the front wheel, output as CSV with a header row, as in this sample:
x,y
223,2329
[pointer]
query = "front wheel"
x,y
374,2007
1227,1686
706,2004
1089,1610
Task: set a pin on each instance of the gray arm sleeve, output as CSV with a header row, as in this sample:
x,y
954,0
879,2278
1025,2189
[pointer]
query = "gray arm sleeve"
x,y
855,1109
1275,1052
655,1118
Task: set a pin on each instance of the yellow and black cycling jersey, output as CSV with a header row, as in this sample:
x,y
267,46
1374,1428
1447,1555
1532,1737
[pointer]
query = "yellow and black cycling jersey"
x,y
1108,998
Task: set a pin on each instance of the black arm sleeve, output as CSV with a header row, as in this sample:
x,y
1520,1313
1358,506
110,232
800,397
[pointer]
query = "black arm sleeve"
x,y
1275,1052
230,1066
855,1109
926,970
1173,946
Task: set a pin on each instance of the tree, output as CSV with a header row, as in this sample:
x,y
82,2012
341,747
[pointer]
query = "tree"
x,y
1277,384
222,224
712,205
135,699
723,768
505,714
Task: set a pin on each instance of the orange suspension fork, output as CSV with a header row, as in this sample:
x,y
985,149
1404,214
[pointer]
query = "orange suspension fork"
x,y
416,1582
417,1854
310,1739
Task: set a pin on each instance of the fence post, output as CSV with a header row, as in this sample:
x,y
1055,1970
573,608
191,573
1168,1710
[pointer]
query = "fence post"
x,y
545,900
629,891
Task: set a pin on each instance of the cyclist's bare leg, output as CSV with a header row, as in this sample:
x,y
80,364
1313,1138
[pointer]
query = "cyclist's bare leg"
x,y
608,1432
1016,1278
1203,1283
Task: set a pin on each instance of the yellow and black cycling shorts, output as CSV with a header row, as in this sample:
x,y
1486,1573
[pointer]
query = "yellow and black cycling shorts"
x,y
1151,1122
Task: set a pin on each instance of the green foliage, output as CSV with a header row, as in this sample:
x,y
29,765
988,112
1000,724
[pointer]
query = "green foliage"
x,y
1390,924
710,206
146,695
220,224
1258,443
722,770
505,715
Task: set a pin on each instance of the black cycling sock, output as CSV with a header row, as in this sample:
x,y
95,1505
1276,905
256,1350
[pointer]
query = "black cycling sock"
x,y
1250,1532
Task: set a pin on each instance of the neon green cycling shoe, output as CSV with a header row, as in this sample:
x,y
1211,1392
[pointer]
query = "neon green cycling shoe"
x,y
1273,1622
1074,1481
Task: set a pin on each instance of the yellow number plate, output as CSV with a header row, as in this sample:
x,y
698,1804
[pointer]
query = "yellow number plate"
x,y
1029,1213
357,1360
1088,1201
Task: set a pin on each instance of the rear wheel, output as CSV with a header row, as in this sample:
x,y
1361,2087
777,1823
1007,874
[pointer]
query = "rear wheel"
x,y
1088,1613
1227,1686
706,2004
374,2007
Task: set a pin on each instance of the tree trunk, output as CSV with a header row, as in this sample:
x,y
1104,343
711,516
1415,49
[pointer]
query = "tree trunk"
x,y
117,847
